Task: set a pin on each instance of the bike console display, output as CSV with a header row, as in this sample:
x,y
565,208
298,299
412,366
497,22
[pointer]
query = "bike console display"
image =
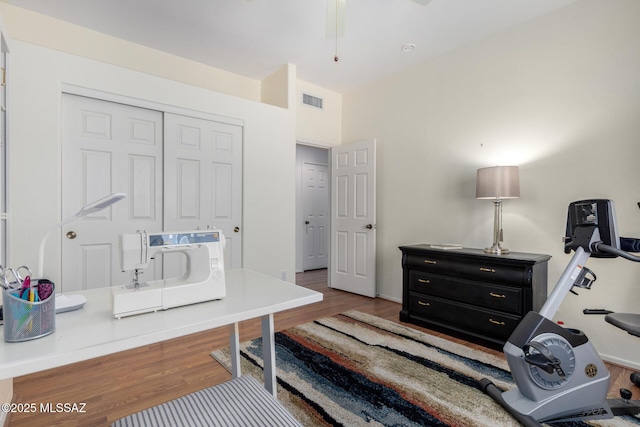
x,y
591,223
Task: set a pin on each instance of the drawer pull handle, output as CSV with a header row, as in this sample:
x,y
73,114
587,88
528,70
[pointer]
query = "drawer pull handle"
x,y
493,294
423,303
428,261
424,281
495,322
487,270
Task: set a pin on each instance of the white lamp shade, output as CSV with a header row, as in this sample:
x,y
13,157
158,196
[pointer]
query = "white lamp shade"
x,y
498,182
101,204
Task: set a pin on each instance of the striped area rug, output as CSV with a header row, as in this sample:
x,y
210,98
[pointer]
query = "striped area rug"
x,y
355,369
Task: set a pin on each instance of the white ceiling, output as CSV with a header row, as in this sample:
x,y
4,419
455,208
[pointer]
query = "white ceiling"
x,y
256,37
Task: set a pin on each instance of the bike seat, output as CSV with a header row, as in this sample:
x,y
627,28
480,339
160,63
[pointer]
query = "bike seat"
x,y
629,322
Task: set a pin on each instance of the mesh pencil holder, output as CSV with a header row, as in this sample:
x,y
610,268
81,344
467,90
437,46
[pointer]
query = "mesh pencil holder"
x,y
25,320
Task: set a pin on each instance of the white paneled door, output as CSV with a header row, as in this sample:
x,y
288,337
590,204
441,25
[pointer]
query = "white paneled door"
x,y
180,173
315,200
107,147
203,179
353,217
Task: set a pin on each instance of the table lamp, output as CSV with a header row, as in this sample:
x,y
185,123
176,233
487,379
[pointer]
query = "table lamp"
x,y
497,183
67,303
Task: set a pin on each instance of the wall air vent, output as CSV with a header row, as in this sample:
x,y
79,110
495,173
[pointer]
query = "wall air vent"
x,y
313,101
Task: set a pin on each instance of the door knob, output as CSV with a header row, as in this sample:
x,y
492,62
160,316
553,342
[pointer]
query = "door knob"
x,y
306,222
236,229
368,226
71,235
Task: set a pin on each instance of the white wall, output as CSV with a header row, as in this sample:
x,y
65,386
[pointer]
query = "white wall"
x,y
37,74
558,96
314,126
41,30
275,88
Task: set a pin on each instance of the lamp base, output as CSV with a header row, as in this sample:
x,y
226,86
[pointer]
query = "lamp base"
x,y
496,250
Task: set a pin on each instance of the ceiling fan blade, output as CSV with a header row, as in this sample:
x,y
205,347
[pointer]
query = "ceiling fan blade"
x,y
335,18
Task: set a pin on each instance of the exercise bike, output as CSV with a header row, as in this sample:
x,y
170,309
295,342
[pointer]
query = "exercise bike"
x,y
558,373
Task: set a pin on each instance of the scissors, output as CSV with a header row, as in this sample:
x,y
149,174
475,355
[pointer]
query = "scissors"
x,y
28,271
15,282
3,281
10,283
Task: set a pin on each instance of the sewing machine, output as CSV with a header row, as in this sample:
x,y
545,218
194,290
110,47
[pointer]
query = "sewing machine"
x,y
202,281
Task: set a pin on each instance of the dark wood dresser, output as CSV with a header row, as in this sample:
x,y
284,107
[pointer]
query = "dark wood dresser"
x,y
469,292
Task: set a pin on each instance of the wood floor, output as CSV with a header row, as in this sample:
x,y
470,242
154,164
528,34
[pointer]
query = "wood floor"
x,y
117,385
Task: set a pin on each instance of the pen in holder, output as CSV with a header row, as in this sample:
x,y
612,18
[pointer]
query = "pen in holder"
x,y
27,318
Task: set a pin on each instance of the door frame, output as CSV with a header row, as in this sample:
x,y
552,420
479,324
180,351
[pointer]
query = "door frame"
x,y
300,211
5,164
142,103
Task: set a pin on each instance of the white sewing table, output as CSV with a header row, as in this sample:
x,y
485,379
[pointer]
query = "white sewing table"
x,y
92,331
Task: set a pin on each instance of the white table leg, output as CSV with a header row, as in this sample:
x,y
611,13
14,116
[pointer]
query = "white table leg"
x,y
235,350
269,354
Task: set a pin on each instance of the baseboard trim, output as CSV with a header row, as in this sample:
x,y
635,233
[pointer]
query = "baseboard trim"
x,y
623,363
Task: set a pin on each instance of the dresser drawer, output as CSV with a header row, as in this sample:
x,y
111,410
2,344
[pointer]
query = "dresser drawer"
x,y
472,268
489,322
497,297
471,292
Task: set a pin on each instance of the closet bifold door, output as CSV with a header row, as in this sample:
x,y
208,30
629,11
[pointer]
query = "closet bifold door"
x,y
203,183
107,147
